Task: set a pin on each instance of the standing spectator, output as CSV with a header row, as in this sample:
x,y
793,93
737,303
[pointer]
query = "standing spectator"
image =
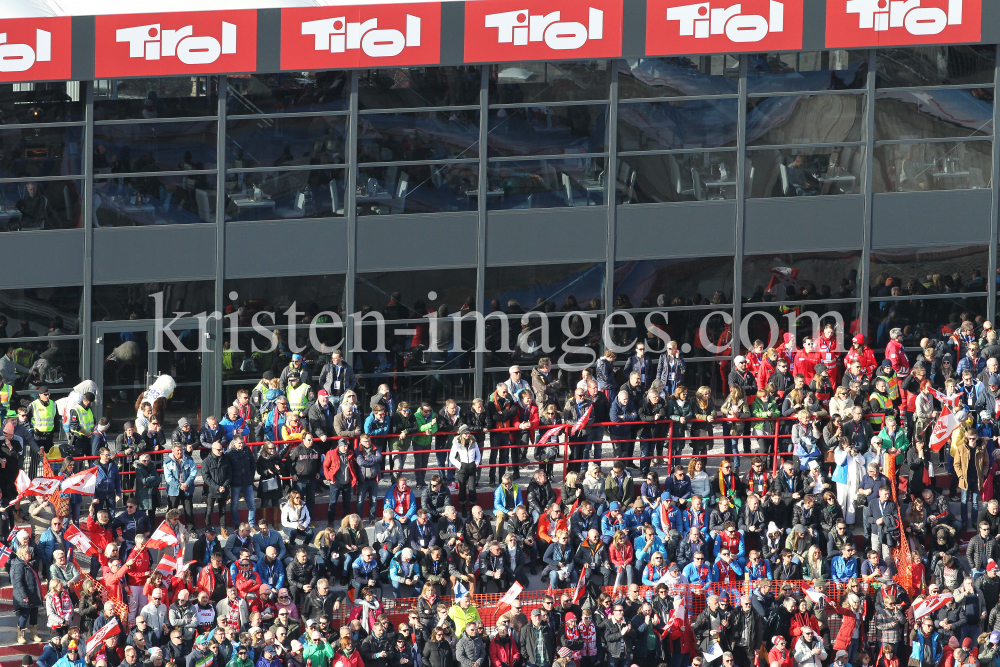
x,y
216,470
179,470
307,465
341,470
369,466
537,641
337,378
269,465
465,457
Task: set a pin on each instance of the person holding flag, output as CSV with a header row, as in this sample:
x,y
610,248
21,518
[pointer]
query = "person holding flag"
x,y
11,458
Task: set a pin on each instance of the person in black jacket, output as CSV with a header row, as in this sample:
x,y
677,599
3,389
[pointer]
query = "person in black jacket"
x,y
619,637
217,471
478,421
742,377
242,469
26,596
653,411
528,641
501,409
540,495
301,574
788,481
378,649
600,414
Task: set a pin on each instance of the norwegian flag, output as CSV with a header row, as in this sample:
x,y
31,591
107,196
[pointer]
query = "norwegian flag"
x,y
581,585
83,483
551,433
943,428
930,604
80,540
504,603
6,551
162,537
782,275
22,482
582,421
109,630
42,486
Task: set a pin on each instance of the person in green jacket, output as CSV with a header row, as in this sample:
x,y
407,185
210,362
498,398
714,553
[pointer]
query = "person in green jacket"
x,y
318,650
893,441
462,613
764,406
427,426
240,658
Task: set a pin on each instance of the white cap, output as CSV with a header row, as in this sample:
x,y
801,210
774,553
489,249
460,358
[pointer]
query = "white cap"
x,y
739,359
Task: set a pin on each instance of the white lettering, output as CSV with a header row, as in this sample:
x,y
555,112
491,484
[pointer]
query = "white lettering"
x,y
520,28
700,21
20,57
149,42
880,15
337,35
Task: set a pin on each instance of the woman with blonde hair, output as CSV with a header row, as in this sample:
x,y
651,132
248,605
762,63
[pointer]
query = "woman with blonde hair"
x,y
58,607
681,411
704,411
572,492
701,483
295,520
351,539
622,555
593,485
815,566
292,429
841,404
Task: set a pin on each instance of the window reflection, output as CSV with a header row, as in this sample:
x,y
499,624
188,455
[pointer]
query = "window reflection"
x,y
283,195
933,114
147,98
284,142
41,151
678,76
661,283
643,179
311,294
411,87
288,92
807,70
40,311
535,82
934,270
801,276
417,189
921,318
805,119
35,205
687,124
935,65
546,288
546,183
424,135
40,102
945,165
801,172
401,295
548,130
154,200
145,147
135,300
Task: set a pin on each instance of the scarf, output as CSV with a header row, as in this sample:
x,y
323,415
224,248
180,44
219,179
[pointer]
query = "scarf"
x,y
63,604
233,617
758,483
588,633
368,613
401,503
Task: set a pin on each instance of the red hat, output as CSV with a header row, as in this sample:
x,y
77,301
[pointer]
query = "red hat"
x,y
858,340
991,565
967,643
322,392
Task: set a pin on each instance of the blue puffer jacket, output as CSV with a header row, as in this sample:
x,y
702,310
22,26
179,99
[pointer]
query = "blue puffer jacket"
x,y
108,479
918,648
177,473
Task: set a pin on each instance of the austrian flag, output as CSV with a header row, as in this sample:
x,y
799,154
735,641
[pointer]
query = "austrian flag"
x,y
82,483
162,537
80,540
109,630
42,486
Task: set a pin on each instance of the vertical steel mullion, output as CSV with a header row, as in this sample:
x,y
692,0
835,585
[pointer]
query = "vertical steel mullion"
x,y
351,215
741,194
214,394
86,305
610,195
864,283
991,301
484,102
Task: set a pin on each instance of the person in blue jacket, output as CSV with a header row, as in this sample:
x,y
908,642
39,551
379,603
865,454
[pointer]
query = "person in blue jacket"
x,y
695,516
654,570
622,411
678,485
673,515
72,657
271,569
757,567
612,522
698,572
404,574
926,641
109,483
646,545
53,539
636,518
399,498
845,566
233,424
377,422
366,572
506,499
267,537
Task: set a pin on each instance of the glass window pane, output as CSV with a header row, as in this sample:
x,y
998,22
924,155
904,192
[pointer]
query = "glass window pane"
x,y
415,389
173,97
135,300
643,179
678,76
936,166
933,114
698,333
40,102
549,287
309,294
808,318
400,295
411,87
665,125
797,172
807,70
805,119
154,200
661,283
284,195
40,311
935,65
536,82
431,345
424,135
40,205
920,318
548,130
801,276
546,183
933,270
241,361
417,188
284,142
54,363
289,92
533,336
140,147
55,151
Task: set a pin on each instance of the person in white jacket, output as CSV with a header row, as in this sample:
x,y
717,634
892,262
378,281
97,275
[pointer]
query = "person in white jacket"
x,y
847,475
155,612
809,650
465,457
58,607
295,520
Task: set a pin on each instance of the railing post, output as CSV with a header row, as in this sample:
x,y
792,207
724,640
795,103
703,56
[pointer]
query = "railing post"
x,y
777,429
670,448
566,447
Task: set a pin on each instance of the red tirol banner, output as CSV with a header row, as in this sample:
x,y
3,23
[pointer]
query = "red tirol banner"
x,y
865,23
505,30
177,43
722,26
34,49
361,36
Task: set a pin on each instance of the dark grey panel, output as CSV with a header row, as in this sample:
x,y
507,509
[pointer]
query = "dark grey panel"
x,y
320,246
418,241
142,254
268,40
924,218
804,223
634,28
21,267
83,47
991,22
548,235
814,25
452,32
648,231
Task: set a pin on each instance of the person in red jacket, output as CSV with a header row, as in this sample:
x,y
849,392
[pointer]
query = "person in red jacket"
x,y
787,348
780,655
503,649
863,355
136,577
850,619
767,366
247,579
806,360
112,580
829,352
207,577
99,531
896,356
341,470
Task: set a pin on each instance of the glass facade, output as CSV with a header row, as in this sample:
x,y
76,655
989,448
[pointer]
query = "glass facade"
x,y
360,149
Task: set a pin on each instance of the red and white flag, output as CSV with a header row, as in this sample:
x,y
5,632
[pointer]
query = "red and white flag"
x,y
80,540
42,486
162,537
951,401
550,434
813,594
83,483
109,630
504,603
22,482
581,585
582,421
782,275
930,604
676,623
943,428
170,566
